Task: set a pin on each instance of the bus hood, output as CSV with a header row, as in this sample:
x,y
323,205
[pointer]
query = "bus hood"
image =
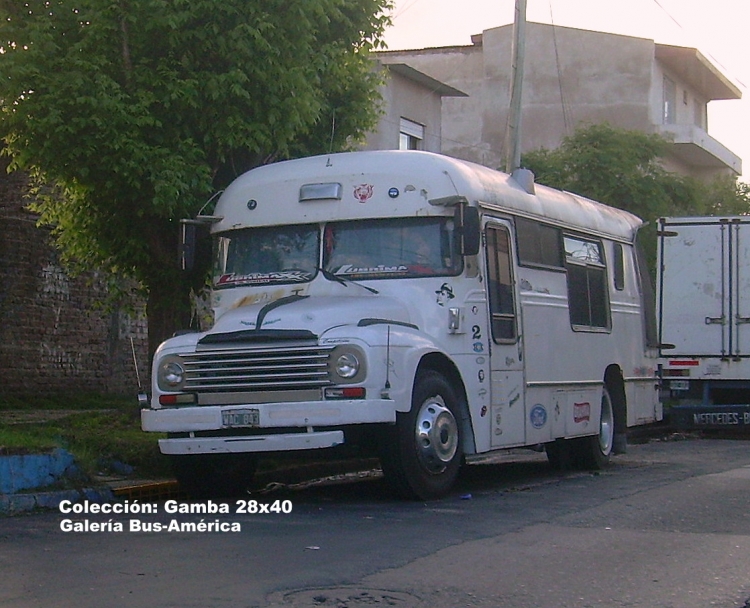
x,y
315,314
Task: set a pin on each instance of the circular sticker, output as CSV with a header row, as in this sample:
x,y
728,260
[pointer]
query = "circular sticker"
x,y
538,416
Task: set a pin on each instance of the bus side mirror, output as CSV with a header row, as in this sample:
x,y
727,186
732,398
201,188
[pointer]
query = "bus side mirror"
x,y
470,230
187,244
192,245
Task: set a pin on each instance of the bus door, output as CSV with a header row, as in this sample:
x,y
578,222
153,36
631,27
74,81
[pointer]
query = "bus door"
x,y
506,353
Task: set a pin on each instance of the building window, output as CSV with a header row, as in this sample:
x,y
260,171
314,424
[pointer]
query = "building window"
x,y
411,135
670,102
699,114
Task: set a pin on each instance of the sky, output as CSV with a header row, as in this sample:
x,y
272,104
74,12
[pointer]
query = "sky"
x,y
719,29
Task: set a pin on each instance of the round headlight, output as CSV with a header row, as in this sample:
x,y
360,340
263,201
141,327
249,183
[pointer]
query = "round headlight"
x,y
347,365
172,373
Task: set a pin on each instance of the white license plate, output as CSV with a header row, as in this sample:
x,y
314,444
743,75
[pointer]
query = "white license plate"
x,y
679,385
240,418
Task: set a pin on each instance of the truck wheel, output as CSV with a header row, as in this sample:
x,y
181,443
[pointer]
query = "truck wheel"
x,y
214,475
422,453
593,453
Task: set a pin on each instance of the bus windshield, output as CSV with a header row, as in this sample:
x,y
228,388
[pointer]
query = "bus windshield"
x,y
264,256
392,248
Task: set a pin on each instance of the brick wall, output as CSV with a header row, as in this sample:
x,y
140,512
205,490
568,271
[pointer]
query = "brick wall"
x,y
55,334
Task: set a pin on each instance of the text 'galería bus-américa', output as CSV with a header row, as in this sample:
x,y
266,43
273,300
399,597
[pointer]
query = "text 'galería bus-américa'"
x,y
414,307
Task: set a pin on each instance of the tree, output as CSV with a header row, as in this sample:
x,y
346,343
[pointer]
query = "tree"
x,y
128,115
622,168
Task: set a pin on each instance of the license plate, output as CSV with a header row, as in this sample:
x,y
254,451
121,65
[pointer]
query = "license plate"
x,y
679,385
240,418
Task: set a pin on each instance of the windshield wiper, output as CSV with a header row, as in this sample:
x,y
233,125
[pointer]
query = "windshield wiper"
x,y
345,280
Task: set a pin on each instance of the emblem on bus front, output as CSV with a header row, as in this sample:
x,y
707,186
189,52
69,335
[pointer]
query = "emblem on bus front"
x,y
363,192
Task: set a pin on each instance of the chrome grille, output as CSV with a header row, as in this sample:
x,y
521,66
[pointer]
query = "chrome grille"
x,y
302,366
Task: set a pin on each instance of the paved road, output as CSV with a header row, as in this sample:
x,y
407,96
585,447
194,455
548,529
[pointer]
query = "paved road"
x,y
667,526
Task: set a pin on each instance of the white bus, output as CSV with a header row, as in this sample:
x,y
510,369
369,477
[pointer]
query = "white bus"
x,y
419,306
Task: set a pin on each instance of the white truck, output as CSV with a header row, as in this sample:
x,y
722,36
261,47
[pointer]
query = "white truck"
x,y
703,303
416,307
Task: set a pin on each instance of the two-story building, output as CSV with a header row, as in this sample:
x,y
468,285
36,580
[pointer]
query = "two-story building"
x,y
574,77
411,116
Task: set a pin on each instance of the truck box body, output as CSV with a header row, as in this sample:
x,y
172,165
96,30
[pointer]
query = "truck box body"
x,y
703,306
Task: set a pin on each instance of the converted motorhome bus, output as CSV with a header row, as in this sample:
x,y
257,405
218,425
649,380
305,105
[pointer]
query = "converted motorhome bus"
x,y
423,307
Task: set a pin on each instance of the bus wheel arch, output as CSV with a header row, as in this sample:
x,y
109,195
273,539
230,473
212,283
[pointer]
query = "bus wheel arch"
x,y
615,385
422,453
440,364
593,452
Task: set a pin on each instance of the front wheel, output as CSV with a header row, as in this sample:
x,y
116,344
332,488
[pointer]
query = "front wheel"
x,y
422,454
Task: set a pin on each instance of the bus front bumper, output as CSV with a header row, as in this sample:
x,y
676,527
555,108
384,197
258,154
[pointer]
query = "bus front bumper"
x,y
191,422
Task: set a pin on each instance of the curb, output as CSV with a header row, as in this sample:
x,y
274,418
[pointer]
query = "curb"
x,y
25,479
14,504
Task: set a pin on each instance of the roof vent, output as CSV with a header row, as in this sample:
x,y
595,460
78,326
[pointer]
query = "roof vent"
x,y
525,179
320,192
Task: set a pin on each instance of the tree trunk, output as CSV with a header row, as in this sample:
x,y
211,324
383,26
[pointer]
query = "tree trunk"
x,y
168,309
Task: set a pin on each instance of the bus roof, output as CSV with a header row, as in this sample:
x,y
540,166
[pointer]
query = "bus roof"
x,y
395,183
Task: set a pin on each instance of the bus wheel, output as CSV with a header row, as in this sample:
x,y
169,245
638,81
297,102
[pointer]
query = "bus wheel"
x,y
422,453
593,452
214,475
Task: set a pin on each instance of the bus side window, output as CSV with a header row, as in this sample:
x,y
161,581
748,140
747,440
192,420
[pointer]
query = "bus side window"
x,y
588,300
619,270
500,284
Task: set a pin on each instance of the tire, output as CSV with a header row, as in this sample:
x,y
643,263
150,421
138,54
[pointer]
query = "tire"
x,y
204,476
593,453
422,453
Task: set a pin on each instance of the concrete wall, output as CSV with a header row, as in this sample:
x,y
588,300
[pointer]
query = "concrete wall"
x,y
572,78
404,98
462,124
55,335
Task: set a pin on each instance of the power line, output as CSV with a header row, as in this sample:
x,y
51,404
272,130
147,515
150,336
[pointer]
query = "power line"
x,y
711,56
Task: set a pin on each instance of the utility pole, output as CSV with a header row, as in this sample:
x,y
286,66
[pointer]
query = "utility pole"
x,y
513,132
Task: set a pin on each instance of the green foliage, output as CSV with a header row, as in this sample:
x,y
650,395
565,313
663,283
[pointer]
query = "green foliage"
x,y
622,168
129,114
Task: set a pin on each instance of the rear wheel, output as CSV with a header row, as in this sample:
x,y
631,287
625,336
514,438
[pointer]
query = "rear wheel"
x,y
593,453
422,454
214,475
586,453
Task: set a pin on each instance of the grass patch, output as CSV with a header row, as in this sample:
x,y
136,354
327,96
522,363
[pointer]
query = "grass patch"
x,y
103,433
68,402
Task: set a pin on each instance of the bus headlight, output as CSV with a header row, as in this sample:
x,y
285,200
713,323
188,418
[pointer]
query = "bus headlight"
x,y
347,365
171,373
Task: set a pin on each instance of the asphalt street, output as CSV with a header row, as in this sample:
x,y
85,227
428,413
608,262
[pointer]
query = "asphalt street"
x,y
668,525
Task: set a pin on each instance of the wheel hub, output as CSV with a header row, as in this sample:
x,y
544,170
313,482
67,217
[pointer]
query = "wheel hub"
x,y
436,435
